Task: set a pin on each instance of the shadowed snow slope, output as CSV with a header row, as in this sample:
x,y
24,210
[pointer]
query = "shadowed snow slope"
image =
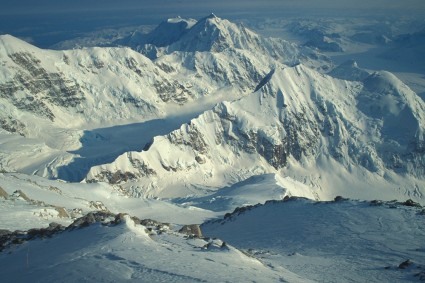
x,y
345,241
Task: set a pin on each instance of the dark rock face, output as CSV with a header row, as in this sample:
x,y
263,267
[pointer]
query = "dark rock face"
x,y
40,88
303,135
3,193
339,199
189,136
9,238
172,91
91,218
300,137
405,264
410,202
114,178
119,177
12,125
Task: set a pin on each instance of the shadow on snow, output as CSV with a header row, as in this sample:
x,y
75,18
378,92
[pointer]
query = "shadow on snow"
x,y
104,145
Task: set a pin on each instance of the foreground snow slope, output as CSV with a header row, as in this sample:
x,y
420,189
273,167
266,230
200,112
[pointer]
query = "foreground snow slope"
x,y
128,251
298,120
345,241
295,240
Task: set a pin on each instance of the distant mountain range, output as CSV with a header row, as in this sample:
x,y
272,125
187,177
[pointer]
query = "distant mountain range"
x,y
276,110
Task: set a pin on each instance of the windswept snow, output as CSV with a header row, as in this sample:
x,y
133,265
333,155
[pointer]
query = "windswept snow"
x,y
346,241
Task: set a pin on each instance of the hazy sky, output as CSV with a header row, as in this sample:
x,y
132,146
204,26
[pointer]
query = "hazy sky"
x,y
38,6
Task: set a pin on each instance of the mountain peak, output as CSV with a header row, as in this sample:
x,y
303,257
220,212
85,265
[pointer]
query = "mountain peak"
x,y
285,121
210,19
350,71
170,31
350,63
382,81
212,33
212,16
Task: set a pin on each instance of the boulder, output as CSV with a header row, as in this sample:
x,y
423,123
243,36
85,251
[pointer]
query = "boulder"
x,y
191,230
3,193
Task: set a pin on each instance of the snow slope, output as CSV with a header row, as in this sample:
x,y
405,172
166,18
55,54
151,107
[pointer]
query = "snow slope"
x,y
345,241
295,240
34,202
128,251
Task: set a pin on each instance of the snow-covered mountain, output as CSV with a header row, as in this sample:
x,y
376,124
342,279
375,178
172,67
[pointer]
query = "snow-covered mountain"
x,y
90,85
215,35
188,123
203,45
298,116
53,97
349,71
